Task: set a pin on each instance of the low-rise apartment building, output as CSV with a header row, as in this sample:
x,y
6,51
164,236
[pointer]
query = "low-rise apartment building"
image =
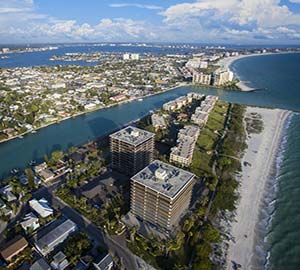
x,y
182,153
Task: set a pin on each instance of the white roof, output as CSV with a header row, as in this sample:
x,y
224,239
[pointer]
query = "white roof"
x,y
29,220
41,207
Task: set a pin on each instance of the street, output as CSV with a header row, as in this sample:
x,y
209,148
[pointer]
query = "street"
x,y
87,226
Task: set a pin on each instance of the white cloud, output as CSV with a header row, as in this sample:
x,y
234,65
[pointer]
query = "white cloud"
x,y
227,17
234,21
20,23
121,5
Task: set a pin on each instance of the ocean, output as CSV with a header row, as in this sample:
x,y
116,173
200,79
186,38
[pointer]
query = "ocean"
x,y
278,75
278,231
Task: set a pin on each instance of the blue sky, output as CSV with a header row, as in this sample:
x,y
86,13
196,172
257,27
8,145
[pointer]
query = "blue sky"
x,y
203,21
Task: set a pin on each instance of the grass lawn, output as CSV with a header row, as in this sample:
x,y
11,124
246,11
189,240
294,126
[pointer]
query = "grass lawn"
x,y
206,141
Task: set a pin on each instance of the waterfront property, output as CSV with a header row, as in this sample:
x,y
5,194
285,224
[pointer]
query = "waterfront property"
x,y
182,153
201,78
7,193
131,149
158,122
161,193
222,77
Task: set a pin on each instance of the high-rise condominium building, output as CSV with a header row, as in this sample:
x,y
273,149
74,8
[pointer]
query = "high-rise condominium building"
x,y
161,193
131,149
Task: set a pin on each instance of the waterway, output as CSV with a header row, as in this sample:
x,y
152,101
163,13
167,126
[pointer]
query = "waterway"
x,y
278,74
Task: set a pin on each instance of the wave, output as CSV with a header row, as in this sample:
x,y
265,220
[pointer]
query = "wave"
x,y
262,252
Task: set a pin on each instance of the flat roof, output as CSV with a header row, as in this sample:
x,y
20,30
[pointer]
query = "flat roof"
x,y
184,148
132,135
189,131
163,178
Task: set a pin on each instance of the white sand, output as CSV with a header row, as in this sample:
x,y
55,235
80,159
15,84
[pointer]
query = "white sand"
x,y
226,62
260,154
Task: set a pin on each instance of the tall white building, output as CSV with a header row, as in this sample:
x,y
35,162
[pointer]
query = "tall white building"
x,y
131,56
201,78
222,77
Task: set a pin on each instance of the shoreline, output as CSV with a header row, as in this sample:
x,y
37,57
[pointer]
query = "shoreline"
x,y
19,136
257,165
227,62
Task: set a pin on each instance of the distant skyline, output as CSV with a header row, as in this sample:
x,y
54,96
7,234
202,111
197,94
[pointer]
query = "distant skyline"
x,y
202,21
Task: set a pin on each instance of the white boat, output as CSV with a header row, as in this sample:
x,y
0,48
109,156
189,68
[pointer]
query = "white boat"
x,y
140,99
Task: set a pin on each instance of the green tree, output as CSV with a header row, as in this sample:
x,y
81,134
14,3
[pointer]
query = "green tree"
x,y
30,178
56,156
210,234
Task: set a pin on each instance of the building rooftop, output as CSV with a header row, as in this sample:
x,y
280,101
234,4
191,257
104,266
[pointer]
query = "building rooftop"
x,y
163,178
189,132
158,120
132,135
40,264
52,233
29,220
103,262
185,148
41,207
13,246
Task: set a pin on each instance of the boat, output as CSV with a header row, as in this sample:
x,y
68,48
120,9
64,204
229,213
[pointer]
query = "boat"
x,y
32,163
21,137
33,131
14,171
140,99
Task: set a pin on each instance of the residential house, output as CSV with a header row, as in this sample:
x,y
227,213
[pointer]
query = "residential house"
x,y
30,222
104,263
7,193
13,248
40,264
41,207
60,261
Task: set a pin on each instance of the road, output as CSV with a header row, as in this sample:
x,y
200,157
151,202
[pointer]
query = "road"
x,y
129,260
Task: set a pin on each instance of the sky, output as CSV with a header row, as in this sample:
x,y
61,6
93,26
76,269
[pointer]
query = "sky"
x,y
185,21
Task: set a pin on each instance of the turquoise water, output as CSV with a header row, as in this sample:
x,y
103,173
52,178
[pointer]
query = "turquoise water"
x,y
279,247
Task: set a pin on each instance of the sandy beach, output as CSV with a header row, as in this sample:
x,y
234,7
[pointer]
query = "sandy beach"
x,y
257,164
226,62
